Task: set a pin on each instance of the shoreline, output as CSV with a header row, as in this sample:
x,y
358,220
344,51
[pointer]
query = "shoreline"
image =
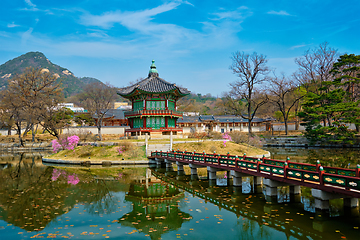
x,y
103,162
110,162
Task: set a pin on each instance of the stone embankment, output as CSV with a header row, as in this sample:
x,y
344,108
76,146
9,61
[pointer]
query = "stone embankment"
x,y
300,141
28,147
291,141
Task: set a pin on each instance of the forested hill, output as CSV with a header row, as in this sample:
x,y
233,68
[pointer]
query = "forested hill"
x,y
71,84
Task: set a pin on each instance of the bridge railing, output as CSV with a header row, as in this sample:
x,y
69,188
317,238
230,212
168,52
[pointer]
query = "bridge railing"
x,y
302,172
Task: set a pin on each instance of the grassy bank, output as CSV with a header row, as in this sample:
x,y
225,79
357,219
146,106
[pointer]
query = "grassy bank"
x,y
218,147
128,152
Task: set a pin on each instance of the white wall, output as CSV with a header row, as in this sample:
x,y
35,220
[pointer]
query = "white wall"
x,y
5,132
104,130
217,128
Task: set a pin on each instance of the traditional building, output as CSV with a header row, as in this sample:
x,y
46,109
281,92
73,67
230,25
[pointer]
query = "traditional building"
x,y
113,117
153,105
223,123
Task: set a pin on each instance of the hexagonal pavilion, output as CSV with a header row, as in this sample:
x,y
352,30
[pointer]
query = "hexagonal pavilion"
x,y
153,105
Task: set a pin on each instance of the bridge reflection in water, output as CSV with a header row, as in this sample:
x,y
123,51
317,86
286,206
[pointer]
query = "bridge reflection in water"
x,y
326,182
250,201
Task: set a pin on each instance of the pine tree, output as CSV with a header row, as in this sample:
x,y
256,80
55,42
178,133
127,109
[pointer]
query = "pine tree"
x,y
336,103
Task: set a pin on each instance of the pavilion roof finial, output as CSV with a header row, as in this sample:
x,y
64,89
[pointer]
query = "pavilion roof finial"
x,y
153,68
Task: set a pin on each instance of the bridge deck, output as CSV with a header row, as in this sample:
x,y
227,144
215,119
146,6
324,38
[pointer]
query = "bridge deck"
x,y
329,179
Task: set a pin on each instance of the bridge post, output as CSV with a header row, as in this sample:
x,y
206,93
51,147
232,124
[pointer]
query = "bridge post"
x,y
351,207
258,180
159,161
171,140
295,193
194,167
351,202
295,189
180,166
168,163
271,187
237,178
211,173
193,171
322,199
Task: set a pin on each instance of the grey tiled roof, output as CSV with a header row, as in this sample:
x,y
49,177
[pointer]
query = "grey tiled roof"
x,y
221,119
152,84
207,118
116,113
189,119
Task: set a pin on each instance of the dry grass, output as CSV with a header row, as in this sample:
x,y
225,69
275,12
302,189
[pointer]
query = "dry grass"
x,y
27,138
211,146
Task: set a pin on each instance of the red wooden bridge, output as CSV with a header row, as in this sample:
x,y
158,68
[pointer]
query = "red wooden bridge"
x,y
330,179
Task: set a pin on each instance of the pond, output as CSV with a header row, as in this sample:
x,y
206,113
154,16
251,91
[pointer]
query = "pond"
x,y
332,157
38,201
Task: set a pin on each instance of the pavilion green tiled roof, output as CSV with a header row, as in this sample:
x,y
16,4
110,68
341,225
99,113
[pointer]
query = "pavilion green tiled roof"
x,y
152,84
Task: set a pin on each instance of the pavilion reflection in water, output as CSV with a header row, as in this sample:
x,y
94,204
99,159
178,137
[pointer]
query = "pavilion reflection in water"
x,y
155,207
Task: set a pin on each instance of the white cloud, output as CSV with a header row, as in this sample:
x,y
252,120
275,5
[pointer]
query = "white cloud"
x,y
12,25
135,20
97,33
188,3
26,36
283,13
28,2
32,7
299,46
147,37
239,13
215,33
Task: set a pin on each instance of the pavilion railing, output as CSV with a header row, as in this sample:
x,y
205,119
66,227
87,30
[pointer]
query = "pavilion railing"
x,y
151,112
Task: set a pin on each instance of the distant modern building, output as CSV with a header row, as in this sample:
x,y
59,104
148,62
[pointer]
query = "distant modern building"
x,y
122,106
72,107
222,123
153,105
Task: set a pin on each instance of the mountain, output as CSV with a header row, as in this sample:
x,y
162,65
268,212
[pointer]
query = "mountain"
x,y
71,84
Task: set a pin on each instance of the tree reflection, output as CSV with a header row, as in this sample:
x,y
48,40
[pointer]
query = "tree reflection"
x,y
343,158
30,196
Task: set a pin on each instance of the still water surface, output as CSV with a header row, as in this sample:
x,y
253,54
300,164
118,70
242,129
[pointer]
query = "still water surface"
x,y
38,201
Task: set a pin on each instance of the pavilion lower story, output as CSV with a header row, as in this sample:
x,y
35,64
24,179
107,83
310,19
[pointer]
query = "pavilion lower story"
x,y
153,133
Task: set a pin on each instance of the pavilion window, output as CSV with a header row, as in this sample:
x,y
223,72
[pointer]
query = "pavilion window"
x,y
171,105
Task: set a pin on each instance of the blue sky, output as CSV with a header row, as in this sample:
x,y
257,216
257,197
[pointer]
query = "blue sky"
x,y
191,41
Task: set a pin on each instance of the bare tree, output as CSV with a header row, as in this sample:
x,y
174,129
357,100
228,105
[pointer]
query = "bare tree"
x,y
97,98
251,71
315,68
27,95
284,93
54,119
12,106
6,118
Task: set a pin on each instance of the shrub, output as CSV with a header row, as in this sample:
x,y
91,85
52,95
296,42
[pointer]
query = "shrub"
x,y
241,137
125,146
85,151
65,142
215,135
213,148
